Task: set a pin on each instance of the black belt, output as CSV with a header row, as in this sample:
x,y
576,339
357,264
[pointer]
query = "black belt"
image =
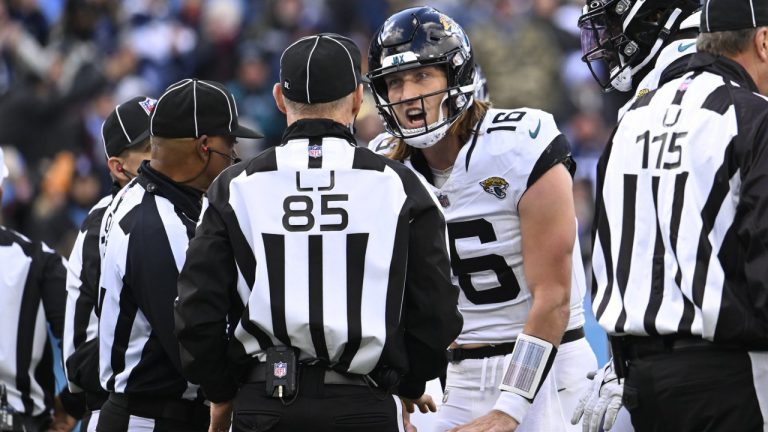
x,y
183,410
94,401
459,354
258,373
633,347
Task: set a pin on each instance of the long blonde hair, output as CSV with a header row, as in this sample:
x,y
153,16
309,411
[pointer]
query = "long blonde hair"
x,y
463,128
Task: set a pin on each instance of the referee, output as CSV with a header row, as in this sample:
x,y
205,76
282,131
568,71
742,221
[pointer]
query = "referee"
x,y
326,314
125,134
32,295
143,240
681,235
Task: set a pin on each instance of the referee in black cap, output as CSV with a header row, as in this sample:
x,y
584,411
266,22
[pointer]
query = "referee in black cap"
x,y
144,236
324,264
125,134
680,260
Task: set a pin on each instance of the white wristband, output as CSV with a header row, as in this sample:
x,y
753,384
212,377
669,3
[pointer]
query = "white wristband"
x,y
528,366
513,405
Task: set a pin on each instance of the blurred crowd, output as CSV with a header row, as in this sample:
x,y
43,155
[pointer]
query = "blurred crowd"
x,y
64,64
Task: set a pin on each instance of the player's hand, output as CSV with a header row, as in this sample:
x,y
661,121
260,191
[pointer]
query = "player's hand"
x,y
425,404
62,421
494,421
221,416
407,425
603,399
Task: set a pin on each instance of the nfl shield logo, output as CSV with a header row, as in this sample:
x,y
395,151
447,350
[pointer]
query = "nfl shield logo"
x,y
315,151
280,369
148,105
443,200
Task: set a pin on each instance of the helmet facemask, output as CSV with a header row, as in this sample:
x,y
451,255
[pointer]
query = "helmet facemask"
x,y
455,99
625,37
415,38
602,38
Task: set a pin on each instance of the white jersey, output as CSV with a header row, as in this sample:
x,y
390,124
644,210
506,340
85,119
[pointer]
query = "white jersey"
x,y
479,199
668,54
382,143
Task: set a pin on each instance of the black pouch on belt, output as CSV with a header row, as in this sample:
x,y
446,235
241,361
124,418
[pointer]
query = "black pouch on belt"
x,y
619,355
282,371
9,421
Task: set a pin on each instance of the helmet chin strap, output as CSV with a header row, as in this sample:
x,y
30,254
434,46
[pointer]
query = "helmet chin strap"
x,y
663,35
623,80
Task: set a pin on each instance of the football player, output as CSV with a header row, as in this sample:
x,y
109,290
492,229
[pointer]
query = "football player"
x,y
385,141
503,178
634,42
637,42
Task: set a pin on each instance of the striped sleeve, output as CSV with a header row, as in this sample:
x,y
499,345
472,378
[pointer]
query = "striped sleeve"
x,y
80,351
53,288
205,286
430,315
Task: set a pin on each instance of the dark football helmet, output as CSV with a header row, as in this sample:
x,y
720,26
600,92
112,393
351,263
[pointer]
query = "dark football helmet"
x,y
416,37
627,35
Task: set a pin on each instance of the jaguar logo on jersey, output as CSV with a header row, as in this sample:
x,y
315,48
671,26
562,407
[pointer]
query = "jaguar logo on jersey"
x,y
495,186
315,151
280,369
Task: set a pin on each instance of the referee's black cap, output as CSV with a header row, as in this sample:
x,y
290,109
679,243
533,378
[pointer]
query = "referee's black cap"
x,y
127,125
729,15
320,68
191,108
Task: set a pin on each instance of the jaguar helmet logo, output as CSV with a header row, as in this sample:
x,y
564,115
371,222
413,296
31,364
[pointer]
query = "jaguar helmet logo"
x,y
495,186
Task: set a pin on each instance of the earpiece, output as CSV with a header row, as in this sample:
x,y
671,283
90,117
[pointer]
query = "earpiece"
x,y
119,167
205,148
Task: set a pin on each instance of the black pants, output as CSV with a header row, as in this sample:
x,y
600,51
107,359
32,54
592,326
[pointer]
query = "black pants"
x,y
318,408
696,390
86,421
152,415
38,423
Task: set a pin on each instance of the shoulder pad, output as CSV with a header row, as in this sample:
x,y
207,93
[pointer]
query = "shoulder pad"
x,y
505,129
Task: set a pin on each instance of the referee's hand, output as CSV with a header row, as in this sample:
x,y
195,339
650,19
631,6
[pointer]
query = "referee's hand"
x,y
221,416
62,421
425,404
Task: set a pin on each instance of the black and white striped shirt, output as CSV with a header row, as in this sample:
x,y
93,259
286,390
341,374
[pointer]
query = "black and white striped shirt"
x,y
32,295
323,246
682,211
80,343
144,237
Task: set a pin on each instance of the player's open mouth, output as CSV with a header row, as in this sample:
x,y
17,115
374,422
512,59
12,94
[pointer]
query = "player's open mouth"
x,y
415,117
